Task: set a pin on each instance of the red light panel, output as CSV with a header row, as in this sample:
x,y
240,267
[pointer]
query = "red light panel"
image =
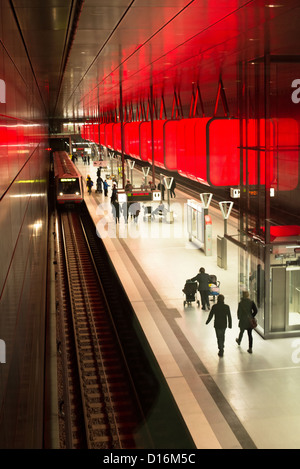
x,y
145,141
158,134
131,139
117,141
170,145
102,134
287,156
109,135
223,153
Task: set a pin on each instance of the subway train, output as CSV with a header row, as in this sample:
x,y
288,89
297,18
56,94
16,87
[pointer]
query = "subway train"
x,y
68,180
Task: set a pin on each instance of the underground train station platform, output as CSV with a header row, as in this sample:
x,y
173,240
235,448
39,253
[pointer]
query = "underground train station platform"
x,y
238,401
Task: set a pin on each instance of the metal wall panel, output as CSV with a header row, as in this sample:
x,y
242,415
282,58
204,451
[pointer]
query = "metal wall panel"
x,y
23,256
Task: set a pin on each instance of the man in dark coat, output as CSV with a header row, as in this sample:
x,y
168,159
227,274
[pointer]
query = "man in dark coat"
x,y
222,315
246,311
203,280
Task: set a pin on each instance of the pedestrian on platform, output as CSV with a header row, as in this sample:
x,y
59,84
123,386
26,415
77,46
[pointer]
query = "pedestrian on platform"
x,y
161,188
172,189
247,310
221,312
89,184
105,187
114,194
116,211
128,186
99,184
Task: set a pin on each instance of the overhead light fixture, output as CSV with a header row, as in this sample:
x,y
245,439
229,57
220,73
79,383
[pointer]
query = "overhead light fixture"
x,y
273,6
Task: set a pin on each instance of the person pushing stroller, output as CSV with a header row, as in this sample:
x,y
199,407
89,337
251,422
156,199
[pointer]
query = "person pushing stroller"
x,y
203,280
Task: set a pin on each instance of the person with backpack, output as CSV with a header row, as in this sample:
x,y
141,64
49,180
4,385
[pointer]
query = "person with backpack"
x,y
89,184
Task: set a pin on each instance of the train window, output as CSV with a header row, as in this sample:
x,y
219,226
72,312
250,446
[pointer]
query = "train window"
x,y
68,186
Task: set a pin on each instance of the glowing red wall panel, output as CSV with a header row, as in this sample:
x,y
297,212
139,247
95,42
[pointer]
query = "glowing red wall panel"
x,y
200,149
117,141
145,141
223,153
109,135
132,139
287,154
96,132
158,135
180,147
87,131
170,144
185,147
191,148
102,134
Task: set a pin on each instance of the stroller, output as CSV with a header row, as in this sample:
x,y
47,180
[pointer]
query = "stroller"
x,y
190,290
214,287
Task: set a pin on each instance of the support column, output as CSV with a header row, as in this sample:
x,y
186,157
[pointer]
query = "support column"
x,y
122,135
267,194
152,132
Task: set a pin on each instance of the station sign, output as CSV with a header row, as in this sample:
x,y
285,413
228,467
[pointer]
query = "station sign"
x,y
235,193
139,196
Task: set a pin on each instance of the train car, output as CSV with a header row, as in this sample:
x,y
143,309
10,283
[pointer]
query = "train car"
x,y
68,180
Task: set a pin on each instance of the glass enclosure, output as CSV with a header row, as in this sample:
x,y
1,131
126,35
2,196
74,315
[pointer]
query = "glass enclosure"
x,y
269,223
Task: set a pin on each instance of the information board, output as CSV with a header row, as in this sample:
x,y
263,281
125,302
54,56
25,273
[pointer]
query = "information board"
x,y
139,196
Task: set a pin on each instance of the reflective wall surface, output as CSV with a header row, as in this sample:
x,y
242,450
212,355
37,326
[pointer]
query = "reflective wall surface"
x,y
23,233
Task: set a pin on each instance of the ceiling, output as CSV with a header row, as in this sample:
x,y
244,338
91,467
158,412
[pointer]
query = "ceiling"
x,y
87,54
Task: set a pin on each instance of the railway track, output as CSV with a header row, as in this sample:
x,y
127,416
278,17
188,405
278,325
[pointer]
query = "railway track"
x,y
98,401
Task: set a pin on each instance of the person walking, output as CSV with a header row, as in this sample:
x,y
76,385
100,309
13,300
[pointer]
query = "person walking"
x,y
203,280
89,184
161,188
247,310
105,187
116,210
114,194
223,319
99,184
172,189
